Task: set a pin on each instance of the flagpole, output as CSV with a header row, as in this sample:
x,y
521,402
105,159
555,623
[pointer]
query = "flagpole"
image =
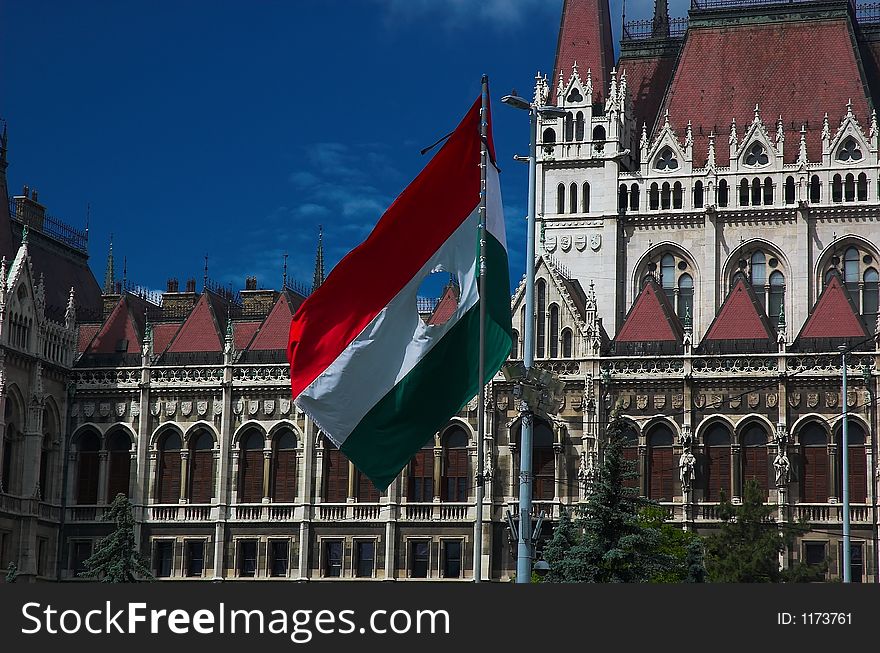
x,y
481,407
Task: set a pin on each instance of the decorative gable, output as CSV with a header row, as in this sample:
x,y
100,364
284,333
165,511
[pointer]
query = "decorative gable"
x,y
666,154
849,146
758,151
273,334
120,333
200,331
834,315
741,318
650,319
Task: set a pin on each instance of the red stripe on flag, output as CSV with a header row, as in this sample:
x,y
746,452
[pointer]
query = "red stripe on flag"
x,y
416,224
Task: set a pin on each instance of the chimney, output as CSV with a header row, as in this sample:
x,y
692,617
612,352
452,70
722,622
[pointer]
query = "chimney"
x,y
179,304
256,303
28,210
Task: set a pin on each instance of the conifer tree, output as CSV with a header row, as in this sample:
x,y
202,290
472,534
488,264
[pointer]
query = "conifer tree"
x,y
11,572
117,558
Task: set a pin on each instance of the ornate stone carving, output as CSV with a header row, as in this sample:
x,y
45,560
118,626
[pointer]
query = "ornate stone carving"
x,y
717,400
170,407
550,243
186,408
135,409
686,463
74,410
104,409
659,402
565,243
852,398
88,409
218,408
641,402
237,407
754,399
595,242
677,400
202,407
253,407
284,406
699,400
120,408
268,406
580,242
772,399
155,408
734,401
832,399
794,399
812,399
625,401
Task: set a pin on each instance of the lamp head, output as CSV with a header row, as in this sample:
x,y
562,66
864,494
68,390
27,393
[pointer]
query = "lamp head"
x,y
516,102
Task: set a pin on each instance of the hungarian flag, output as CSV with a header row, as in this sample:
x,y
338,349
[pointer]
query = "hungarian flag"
x,y
374,377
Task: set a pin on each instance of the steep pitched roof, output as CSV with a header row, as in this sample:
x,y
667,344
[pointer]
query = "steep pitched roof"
x,y
163,334
727,66
84,336
124,324
445,308
834,315
274,332
201,330
243,333
585,39
647,78
651,318
740,317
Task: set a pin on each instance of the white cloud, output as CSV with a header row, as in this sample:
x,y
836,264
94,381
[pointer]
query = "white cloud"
x,y
454,13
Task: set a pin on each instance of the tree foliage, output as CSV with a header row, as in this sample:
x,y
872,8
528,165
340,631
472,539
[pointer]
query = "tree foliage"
x,y
116,558
748,546
11,572
683,549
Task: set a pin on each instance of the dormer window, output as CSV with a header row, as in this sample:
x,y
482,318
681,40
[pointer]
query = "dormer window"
x,y
849,151
757,155
666,160
575,96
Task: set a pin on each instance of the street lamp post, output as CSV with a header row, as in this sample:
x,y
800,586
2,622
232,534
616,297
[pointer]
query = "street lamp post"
x,y
844,453
524,544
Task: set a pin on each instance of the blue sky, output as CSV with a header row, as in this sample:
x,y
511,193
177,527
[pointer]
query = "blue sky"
x,y
234,129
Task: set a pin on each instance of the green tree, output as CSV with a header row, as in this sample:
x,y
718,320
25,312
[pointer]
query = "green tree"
x,y
117,558
608,541
683,549
748,545
11,572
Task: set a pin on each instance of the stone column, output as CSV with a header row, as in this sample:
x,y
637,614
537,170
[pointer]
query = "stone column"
x,y
184,474
72,459
102,476
438,474
390,549
644,481
150,485
833,474
736,480
267,468
352,477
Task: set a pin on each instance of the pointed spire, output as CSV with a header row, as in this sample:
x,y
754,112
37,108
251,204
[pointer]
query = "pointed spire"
x,y
688,136
643,142
666,119
849,111
24,235
780,131
124,271
205,283
734,139
611,101
710,159
802,151
538,97
318,277
826,128
660,24
70,312
873,132
284,272
109,274
757,119
589,85
687,324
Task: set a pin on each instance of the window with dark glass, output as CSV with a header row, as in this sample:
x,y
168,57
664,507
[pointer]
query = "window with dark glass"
x,y
776,297
872,297
541,321
573,198
168,490
744,193
756,192
862,188
250,470
451,558
120,465
566,343
814,553
365,551
560,198
634,197
421,476
543,462
768,191
163,558
284,468
814,464
554,331
654,197
87,468
677,195
815,189
685,296
195,557
856,561
723,193
279,557
849,188
333,558
578,123
82,551
419,552
837,189
666,160
665,196
698,195
754,457
455,464
789,190
247,558
717,452
661,463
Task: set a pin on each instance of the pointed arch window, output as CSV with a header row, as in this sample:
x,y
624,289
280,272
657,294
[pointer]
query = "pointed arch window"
x,y
744,193
421,474
541,321
514,344
250,470
871,299
776,295
849,152
759,273
585,198
757,155
717,449
87,468
579,125
201,467
168,490
814,464
599,139
566,343
858,462
851,273
660,463
549,137
543,462
654,197
573,198
815,189
667,276
560,198
120,465
862,188
622,199
283,484
554,331
46,478
685,296
634,197
756,192
837,189
569,128
755,462
768,191
665,196
698,195
789,190
723,193
849,188
677,195
335,473
454,476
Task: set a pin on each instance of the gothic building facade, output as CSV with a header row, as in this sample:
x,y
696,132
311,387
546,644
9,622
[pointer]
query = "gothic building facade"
x,y
709,220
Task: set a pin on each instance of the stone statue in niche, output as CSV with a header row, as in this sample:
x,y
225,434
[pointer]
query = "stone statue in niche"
x,y
686,464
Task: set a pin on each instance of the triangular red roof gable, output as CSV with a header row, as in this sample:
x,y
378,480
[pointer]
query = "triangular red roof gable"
x,y
125,323
163,334
200,331
740,317
86,333
445,307
834,315
274,333
243,333
651,318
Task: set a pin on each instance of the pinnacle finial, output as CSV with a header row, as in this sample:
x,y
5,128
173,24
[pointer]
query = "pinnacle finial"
x,y
24,234
757,113
318,277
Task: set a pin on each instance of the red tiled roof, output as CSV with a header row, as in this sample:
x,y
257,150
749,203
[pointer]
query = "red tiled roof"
x,y
120,325
85,335
585,38
275,331
834,315
647,78
445,308
651,318
799,69
201,330
740,317
243,333
163,334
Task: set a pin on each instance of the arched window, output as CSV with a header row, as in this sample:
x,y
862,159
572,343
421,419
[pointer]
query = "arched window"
x,y
717,445
549,136
8,452
849,151
335,473
284,467
667,276
862,188
698,195
677,195
768,191
744,193
634,197
851,273
756,156
541,321
815,190
849,191
666,160
585,199
685,296
569,128
599,139
454,476
776,296
758,274
168,490
789,190
665,196
366,491
858,462
755,463
871,300
566,343
579,126
756,192
654,197
723,193
201,467
554,331
837,189
87,468
573,198
120,465
622,199
560,198
814,463
514,344
421,474
543,462
250,468
660,463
